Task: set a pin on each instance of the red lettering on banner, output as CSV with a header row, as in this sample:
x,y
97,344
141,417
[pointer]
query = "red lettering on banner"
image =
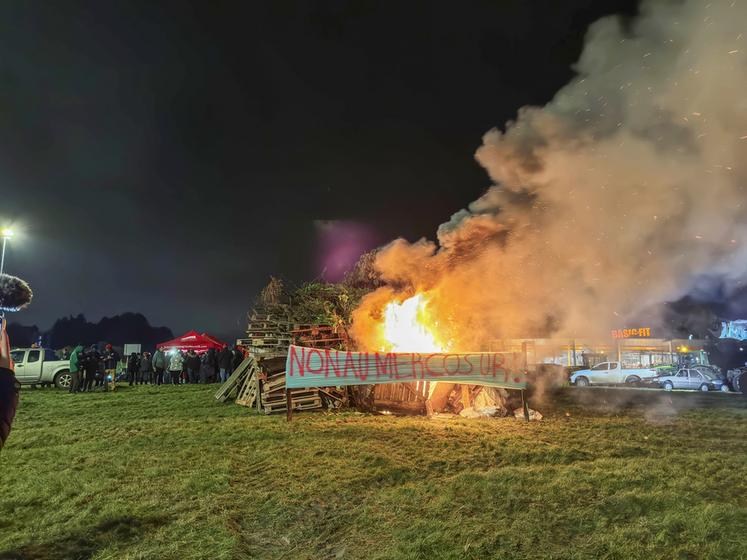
x,y
397,363
471,367
299,363
308,361
458,364
331,362
362,370
431,373
419,362
497,365
387,365
373,367
349,364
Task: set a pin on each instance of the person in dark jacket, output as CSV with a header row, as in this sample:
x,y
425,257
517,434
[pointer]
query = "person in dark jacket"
x,y
225,361
144,375
207,370
238,357
133,368
9,387
193,366
212,358
111,359
91,360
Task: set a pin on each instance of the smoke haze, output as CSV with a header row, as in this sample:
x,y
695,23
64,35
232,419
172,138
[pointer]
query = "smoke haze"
x,y
623,192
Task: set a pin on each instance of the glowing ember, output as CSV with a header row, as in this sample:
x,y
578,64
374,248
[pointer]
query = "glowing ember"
x,y
409,327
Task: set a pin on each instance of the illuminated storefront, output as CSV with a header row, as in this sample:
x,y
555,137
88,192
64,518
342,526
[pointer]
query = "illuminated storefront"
x,y
633,352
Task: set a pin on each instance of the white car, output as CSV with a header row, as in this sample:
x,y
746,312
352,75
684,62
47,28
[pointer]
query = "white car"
x,y
611,373
691,378
40,366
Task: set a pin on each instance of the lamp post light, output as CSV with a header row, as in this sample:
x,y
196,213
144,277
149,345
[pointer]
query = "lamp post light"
x,y
6,233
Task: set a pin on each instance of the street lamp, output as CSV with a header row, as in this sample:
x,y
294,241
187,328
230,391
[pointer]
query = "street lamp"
x,y
6,233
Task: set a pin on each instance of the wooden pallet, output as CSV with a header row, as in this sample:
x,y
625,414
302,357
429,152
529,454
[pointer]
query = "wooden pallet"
x,y
259,339
269,318
308,403
267,325
295,395
274,385
236,380
320,342
249,392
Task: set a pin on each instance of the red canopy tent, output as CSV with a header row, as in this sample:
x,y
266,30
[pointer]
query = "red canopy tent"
x,y
192,340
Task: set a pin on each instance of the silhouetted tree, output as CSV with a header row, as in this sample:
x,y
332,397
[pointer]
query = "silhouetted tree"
x,y
21,337
117,330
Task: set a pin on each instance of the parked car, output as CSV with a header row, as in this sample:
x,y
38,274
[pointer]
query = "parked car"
x,y
611,373
40,366
711,370
691,378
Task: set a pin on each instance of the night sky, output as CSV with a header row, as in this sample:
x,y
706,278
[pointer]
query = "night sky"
x,y
167,157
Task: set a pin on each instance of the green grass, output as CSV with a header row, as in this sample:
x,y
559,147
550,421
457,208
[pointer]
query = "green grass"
x,y
169,473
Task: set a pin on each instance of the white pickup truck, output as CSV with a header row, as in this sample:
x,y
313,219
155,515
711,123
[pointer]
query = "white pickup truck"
x,y
40,366
611,373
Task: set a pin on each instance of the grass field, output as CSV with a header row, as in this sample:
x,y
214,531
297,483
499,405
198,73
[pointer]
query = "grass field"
x,y
168,473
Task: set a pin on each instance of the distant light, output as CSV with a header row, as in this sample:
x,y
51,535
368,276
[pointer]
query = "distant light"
x,y
7,233
741,349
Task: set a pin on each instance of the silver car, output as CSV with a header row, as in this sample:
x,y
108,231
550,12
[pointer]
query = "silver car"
x,y
691,378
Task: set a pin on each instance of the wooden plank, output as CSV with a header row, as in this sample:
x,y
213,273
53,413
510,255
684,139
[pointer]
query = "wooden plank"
x,y
259,393
247,394
233,382
283,407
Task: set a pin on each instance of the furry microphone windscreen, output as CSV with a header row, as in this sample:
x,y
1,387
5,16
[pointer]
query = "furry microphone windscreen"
x,y
15,293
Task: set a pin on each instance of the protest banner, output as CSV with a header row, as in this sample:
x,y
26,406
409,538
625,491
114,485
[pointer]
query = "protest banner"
x,y
315,367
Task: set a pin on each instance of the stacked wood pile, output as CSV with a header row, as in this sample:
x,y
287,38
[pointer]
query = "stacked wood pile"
x,y
318,336
260,380
274,399
273,389
267,333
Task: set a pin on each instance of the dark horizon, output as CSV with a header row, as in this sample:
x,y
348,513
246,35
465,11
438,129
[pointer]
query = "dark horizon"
x,y
168,158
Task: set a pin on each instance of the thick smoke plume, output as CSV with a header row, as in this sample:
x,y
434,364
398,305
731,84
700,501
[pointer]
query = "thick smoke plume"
x,y
625,191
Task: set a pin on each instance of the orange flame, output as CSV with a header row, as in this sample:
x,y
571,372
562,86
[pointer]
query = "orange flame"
x,y
410,327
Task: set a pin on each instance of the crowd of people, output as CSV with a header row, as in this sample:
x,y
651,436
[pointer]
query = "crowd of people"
x,y
91,370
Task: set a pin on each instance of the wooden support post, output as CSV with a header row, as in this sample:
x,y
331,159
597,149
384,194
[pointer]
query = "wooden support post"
x,y
288,405
257,384
524,406
573,346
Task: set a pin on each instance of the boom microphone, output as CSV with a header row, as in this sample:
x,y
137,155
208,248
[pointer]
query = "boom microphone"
x,y
15,294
